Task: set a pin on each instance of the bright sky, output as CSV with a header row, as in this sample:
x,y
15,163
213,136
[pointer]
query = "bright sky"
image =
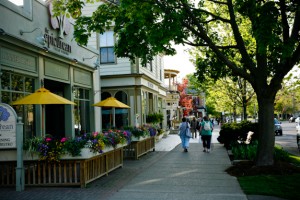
x,y
180,62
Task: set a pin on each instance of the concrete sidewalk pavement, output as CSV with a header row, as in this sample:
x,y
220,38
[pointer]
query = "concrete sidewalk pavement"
x,y
167,173
178,175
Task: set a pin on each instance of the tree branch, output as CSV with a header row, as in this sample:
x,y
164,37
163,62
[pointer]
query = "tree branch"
x,y
218,2
213,15
239,40
201,33
206,45
284,22
296,26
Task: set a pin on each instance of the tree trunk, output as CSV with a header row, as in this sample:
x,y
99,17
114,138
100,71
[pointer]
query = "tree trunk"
x,y
244,97
266,141
245,116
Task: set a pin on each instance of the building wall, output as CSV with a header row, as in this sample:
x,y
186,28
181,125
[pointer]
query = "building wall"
x,y
124,75
53,62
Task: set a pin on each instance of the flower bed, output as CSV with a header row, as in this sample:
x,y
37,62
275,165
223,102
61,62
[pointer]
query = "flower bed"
x,y
70,171
51,149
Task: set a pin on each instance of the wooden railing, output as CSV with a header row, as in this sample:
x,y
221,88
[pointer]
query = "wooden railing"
x,y
65,173
138,148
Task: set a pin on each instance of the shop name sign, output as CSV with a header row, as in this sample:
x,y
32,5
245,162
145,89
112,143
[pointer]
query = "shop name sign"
x,y
63,25
57,43
8,123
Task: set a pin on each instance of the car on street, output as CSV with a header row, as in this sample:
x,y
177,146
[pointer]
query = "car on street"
x,y
297,120
277,127
292,119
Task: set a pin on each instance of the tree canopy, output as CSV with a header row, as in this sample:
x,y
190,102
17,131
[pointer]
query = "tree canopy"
x,y
255,40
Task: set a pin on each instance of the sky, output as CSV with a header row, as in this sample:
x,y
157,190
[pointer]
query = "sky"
x,y
180,62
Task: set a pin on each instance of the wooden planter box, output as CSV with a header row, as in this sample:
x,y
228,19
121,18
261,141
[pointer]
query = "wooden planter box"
x,y
71,171
138,148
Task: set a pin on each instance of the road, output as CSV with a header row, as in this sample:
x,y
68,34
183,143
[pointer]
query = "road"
x,y
288,139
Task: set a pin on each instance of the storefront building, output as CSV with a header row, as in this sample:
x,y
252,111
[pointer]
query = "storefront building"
x,y
174,111
38,50
139,86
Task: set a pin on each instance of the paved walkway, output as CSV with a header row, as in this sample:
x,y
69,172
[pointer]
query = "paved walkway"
x,y
165,174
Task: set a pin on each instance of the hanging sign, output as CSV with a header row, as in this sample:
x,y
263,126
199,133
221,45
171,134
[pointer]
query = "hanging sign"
x,y
8,122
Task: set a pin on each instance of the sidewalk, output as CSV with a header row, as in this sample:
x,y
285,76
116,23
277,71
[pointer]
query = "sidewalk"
x,y
165,174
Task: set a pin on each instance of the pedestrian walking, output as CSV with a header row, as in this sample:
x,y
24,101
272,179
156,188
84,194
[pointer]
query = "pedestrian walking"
x,y
185,140
206,133
194,128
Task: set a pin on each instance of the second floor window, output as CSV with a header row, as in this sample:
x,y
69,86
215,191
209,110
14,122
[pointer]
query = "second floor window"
x,y
107,55
107,47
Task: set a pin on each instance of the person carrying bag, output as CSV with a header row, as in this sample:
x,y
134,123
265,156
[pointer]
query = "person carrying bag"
x,y
206,133
185,134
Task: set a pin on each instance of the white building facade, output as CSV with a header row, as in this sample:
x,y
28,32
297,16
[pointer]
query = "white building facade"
x,y
140,87
38,50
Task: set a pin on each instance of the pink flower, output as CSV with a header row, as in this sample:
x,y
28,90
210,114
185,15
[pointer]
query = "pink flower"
x,y
125,133
48,139
63,140
95,134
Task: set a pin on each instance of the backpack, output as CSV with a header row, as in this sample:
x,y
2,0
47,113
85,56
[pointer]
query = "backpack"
x,y
207,126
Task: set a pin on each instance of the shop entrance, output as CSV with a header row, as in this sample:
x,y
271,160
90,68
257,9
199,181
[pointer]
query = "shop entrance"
x,y
55,114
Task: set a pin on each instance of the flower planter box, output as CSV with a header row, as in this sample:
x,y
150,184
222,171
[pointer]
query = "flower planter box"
x,y
138,148
137,139
70,171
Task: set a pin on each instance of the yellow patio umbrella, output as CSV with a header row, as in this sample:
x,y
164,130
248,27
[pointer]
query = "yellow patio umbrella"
x,y
111,102
42,96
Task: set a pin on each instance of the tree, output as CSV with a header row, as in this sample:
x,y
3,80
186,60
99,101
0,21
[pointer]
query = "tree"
x,y
185,100
255,40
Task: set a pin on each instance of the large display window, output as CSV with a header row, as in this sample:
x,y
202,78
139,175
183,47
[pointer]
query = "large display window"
x,y
16,86
82,110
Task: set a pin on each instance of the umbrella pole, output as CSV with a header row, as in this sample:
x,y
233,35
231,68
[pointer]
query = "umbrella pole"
x,y
114,117
43,127
110,119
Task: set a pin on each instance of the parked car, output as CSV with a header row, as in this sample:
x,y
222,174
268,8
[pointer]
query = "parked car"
x,y
292,119
277,127
298,127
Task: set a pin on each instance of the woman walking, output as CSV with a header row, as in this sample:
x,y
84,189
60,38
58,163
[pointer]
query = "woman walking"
x,y
206,132
185,140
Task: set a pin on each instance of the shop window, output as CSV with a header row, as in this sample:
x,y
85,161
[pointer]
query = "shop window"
x,y
81,110
14,87
121,114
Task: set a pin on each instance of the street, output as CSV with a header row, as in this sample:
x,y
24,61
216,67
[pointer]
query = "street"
x,y
288,139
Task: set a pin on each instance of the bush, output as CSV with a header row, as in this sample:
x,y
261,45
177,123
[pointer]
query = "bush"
x,y
242,151
230,133
154,118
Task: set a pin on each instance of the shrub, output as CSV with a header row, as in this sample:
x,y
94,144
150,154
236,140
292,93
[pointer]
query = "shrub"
x,y
74,146
232,132
242,151
137,131
154,118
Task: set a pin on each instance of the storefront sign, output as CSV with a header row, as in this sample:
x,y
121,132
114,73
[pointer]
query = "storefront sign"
x,y
8,122
57,44
63,25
